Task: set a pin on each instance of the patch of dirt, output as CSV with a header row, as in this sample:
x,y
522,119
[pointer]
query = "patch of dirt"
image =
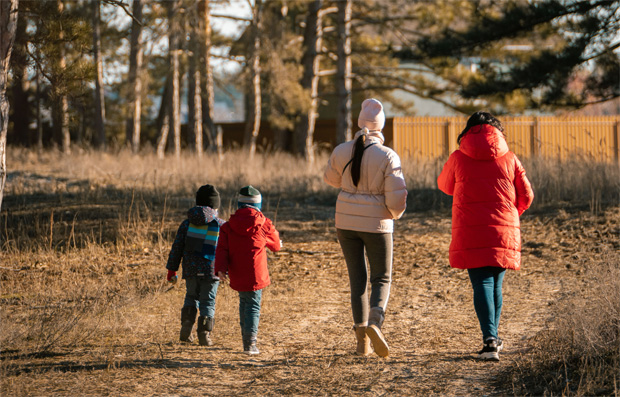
x,y
305,334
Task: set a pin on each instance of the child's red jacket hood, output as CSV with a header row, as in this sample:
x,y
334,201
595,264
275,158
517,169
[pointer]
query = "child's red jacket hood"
x,y
241,249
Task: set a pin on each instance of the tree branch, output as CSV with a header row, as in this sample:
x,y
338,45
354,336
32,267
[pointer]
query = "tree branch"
x,y
328,10
234,18
38,64
123,6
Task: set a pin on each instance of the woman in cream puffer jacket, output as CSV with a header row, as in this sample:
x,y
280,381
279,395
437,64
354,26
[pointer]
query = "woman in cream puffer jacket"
x,y
373,194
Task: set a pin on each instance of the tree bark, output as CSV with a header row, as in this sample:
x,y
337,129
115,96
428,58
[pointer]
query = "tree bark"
x,y
254,114
174,113
20,86
60,108
133,128
194,103
304,132
8,25
99,94
38,112
207,88
343,76
163,121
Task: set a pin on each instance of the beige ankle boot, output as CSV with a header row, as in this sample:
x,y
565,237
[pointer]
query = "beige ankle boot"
x,y
363,341
375,321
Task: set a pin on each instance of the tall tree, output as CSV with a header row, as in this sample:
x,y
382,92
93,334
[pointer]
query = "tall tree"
x,y
173,53
313,35
343,76
60,107
8,25
194,104
20,84
163,117
99,90
542,46
171,96
255,98
133,123
206,76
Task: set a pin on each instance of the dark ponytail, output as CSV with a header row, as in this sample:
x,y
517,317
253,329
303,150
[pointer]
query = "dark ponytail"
x,y
356,161
479,118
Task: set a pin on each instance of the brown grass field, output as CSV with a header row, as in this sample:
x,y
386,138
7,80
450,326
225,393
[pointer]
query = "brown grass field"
x,y
85,308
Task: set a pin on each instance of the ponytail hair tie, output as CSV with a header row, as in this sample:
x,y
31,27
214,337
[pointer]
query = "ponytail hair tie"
x,y
365,133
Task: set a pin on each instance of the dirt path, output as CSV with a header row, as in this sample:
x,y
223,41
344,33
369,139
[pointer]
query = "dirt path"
x,y
306,339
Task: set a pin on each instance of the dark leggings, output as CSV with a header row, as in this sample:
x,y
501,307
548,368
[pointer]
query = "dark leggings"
x,y
378,248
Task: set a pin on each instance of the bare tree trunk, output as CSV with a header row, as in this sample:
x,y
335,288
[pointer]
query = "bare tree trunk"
x,y
60,108
343,76
8,25
254,114
194,103
99,94
304,132
163,121
208,91
20,85
133,128
38,113
174,115
163,137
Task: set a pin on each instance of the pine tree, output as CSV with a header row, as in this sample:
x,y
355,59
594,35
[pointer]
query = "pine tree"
x,y
133,123
8,25
561,40
343,76
99,140
255,97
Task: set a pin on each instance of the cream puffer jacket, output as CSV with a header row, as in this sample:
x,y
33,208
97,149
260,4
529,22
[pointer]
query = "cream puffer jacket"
x,y
381,194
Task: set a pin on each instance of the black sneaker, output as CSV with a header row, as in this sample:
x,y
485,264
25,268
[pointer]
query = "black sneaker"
x,y
490,350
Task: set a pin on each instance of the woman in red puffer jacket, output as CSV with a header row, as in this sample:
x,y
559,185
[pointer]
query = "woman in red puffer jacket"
x,y
490,192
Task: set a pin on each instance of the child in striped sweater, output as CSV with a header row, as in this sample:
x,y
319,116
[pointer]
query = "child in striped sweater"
x,y
194,246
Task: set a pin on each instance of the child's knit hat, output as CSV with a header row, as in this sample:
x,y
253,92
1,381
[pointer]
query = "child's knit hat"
x,y
249,196
371,116
208,196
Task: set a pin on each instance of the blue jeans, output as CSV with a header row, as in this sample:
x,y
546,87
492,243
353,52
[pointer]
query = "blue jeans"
x,y
249,311
487,284
200,293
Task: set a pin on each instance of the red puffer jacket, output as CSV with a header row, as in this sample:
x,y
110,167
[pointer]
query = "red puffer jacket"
x,y
241,249
490,192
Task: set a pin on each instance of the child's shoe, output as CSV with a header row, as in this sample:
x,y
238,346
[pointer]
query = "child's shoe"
x,y
490,350
188,318
249,345
205,326
500,344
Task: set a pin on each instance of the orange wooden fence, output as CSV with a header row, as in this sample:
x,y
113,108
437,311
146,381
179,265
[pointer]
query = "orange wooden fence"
x,y
586,138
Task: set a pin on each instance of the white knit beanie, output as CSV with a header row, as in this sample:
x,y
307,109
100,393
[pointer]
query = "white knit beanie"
x,y
371,116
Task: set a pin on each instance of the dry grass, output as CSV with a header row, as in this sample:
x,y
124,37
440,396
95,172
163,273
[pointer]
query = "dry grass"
x,y
84,306
579,354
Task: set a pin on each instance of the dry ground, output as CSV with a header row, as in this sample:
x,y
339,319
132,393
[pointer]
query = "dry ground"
x,y
130,347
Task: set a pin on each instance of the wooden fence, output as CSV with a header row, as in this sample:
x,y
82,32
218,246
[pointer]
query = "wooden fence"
x,y
587,138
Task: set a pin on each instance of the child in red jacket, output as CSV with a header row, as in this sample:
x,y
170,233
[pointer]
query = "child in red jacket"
x,y
241,256
490,192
